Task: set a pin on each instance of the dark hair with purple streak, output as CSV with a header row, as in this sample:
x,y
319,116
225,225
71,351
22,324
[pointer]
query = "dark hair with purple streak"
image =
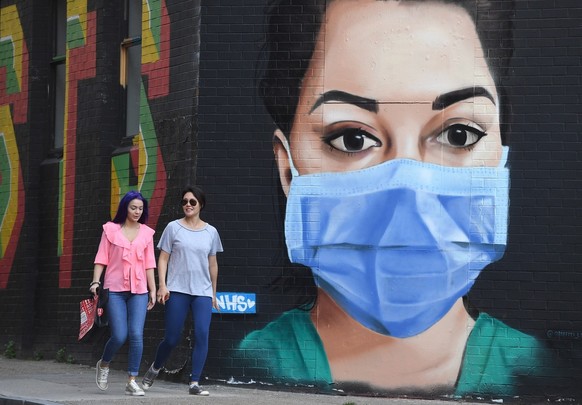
x,y
121,215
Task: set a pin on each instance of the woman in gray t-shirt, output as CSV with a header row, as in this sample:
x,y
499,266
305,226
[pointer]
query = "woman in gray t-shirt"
x,y
187,273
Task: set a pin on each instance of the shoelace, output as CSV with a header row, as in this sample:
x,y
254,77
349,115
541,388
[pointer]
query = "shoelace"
x,y
103,373
133,385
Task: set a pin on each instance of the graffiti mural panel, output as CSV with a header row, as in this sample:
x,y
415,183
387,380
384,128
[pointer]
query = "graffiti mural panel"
x,y
143,167
394,160
396,183
80,64
13,111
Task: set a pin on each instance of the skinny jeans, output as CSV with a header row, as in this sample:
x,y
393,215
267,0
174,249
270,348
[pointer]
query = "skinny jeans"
x,y
177,308
127,315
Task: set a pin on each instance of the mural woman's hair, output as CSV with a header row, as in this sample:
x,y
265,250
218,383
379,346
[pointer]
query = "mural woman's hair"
x,y
121,215
198,193
293,27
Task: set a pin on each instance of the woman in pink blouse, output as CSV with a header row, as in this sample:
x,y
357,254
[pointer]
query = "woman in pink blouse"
x,y
126,252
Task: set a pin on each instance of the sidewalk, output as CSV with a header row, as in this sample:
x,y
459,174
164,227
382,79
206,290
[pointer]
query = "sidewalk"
x,y
29,382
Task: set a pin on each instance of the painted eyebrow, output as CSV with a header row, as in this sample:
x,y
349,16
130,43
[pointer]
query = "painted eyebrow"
x,y
452,97
440,103
367,104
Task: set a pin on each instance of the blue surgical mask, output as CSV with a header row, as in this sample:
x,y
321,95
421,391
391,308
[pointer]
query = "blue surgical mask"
x,y
397,244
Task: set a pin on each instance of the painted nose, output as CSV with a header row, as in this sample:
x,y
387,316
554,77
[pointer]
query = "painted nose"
x,y
406,147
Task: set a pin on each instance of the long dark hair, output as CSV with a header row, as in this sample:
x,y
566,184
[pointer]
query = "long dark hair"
x,y
292,29
121,215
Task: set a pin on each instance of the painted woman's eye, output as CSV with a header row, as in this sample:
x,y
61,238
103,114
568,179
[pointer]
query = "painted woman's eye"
x,y
352,140
460,136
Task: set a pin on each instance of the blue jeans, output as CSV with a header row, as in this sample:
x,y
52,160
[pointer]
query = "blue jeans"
x,y
127,314
177,308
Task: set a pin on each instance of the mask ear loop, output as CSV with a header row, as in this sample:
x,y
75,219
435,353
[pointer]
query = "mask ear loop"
x,y
294,172
503,162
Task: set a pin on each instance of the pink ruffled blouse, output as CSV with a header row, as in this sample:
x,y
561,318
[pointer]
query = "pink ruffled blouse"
x,y
126,261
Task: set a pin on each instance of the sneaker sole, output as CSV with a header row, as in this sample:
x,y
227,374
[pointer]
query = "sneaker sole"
x,y
201,394
135,394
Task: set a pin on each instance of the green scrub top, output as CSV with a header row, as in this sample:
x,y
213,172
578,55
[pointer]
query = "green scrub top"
x,y
496,355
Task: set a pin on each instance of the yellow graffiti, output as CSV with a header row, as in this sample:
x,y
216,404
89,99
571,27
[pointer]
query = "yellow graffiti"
x,y
64,165
115,190
142,167
8,139
149,47
120,165
10,30
77,9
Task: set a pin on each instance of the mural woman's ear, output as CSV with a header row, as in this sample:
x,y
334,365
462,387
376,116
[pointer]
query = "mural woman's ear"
x,y
282,158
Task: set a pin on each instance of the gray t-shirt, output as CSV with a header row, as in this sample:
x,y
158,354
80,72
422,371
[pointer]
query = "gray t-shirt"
x,y
188,269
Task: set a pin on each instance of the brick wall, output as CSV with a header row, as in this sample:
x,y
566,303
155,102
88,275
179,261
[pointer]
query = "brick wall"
x,y
206,125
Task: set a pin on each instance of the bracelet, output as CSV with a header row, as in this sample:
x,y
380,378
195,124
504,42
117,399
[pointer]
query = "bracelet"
x,y
94,282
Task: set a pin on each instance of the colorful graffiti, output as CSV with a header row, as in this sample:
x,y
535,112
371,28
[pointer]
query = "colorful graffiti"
x,y
155,48
236,303
13,92
142,168
80,64
397,189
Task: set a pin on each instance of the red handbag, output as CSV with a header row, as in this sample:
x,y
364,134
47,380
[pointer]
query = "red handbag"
x,y
88,310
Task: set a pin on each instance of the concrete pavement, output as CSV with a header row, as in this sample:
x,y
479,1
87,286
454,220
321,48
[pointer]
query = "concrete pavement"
x,y
46,382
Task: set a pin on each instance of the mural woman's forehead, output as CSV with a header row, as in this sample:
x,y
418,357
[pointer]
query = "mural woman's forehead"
x,y
422,48
285,67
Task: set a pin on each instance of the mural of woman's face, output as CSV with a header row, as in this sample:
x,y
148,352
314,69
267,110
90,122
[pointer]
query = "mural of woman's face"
x,y
394,80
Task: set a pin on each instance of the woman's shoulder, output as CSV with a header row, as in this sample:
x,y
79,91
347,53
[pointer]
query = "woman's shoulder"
x,y
174,224
111,226
497,355
110,229
147,230
113,233
492,328
211,228
171,229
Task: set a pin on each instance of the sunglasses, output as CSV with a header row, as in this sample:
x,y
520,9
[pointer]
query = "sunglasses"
x,y
192,202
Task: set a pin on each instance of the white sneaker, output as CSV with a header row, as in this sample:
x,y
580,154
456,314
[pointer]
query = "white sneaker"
x,y
133,389
196,390
101,374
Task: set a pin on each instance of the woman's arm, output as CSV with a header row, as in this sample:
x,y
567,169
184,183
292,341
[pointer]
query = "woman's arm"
x,y
96,283
101,260
163,293
151,287
213,267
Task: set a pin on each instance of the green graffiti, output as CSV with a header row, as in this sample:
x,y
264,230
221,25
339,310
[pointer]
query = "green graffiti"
x,y
150,145
7,61
75,35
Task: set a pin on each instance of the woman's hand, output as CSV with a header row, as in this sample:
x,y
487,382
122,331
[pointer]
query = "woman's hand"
x,y
215,303
163,295
94,289
152,300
